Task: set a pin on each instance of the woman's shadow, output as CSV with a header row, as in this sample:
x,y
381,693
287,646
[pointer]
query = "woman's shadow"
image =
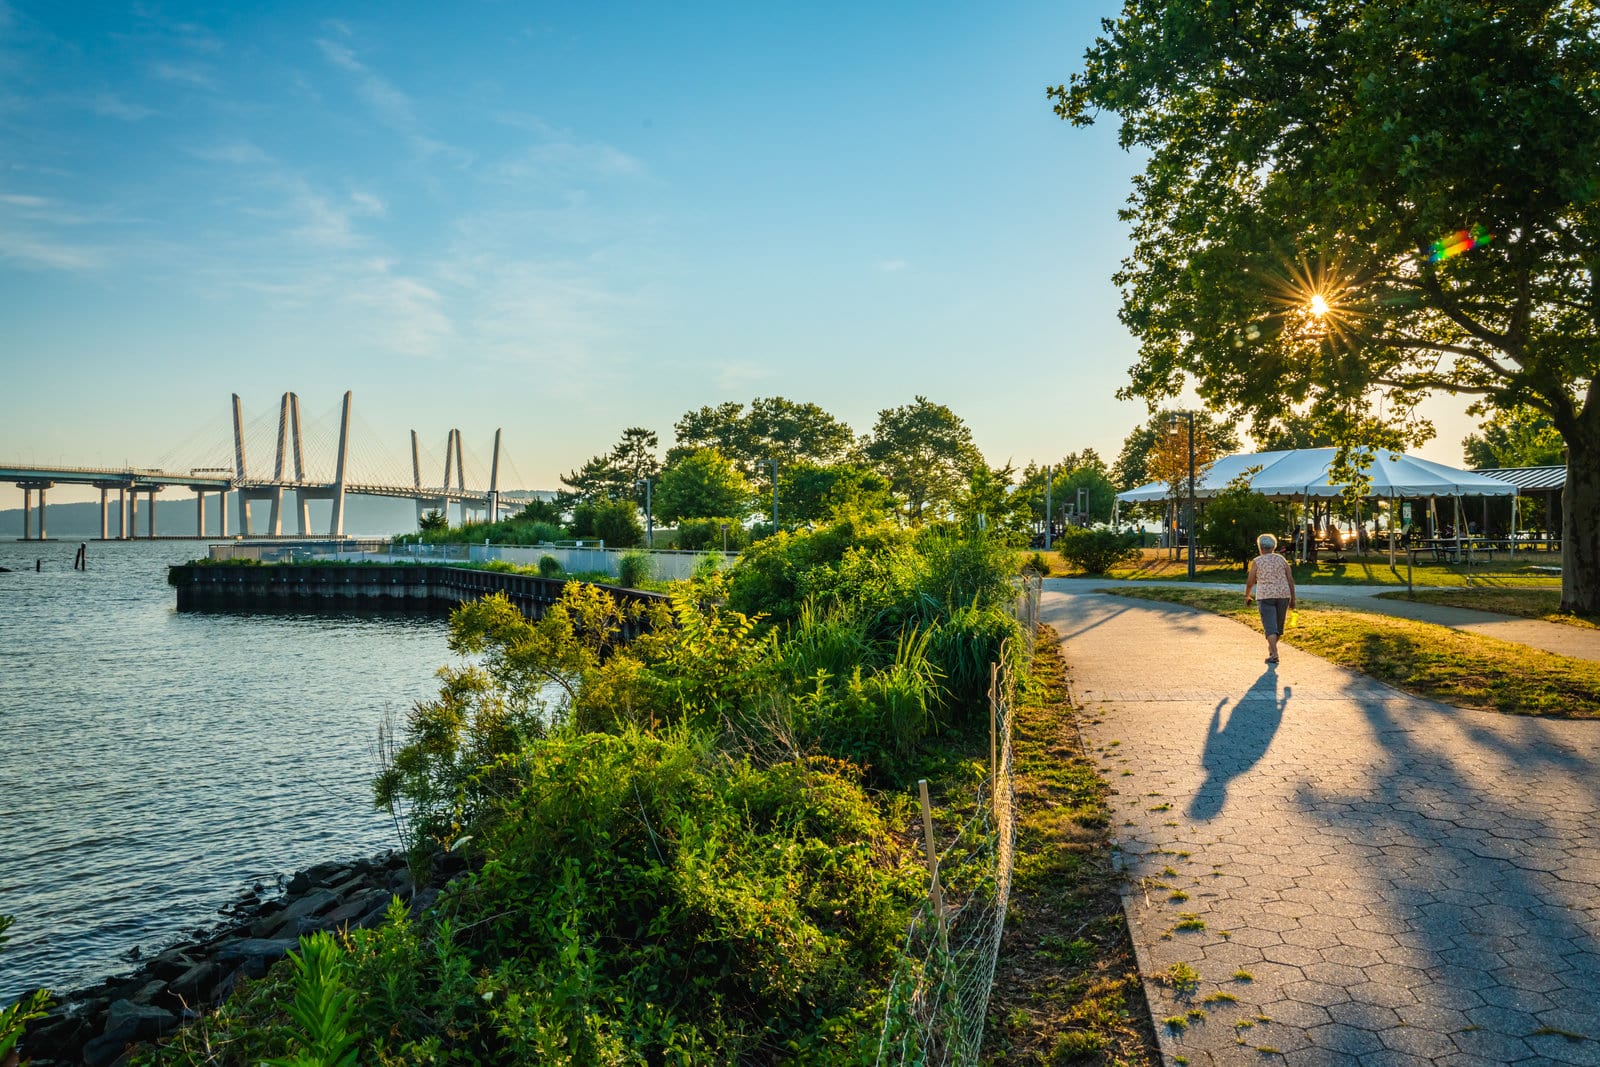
x,y
1232,748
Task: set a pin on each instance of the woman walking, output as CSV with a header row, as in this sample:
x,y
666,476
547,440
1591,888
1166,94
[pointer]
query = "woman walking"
x,y
1271,582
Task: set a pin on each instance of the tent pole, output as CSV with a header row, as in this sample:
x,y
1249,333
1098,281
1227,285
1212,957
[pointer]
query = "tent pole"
x,y
1391,530
1515,500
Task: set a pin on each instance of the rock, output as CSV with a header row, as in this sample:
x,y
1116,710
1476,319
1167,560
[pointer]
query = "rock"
x,y
140,1022
148,991
196,985
357,907
311,904
170,964
255,948
298,884
327,873
105,1050
270,926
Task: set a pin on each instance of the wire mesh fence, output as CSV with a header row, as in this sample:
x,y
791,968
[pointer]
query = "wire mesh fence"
x,y
940,993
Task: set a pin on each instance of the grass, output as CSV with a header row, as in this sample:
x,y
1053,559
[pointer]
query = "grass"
x,y
1155,565
1071,990
1541,604
1438,663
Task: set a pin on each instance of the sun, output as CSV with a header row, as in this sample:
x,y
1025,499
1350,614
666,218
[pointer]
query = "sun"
x,y
1319,305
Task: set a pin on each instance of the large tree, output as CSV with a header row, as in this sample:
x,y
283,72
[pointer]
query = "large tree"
x,y
702,484
1350,204
926,452
774,427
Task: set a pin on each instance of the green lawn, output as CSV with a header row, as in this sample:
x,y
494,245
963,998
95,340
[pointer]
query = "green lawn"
x,y
1436,662
1542,603
1154,565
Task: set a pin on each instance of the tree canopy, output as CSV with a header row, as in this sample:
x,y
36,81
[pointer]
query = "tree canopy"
x,y
1521,437
773,428
1349,205
1133,467
702,484
926,452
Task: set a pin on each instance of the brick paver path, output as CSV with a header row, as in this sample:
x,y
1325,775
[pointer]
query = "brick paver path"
x,y
1404,882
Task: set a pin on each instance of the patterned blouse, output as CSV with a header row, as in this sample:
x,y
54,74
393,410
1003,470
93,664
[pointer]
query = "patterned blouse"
x,y
1272,577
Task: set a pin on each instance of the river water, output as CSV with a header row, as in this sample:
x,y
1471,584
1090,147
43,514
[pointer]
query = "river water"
x,y
154,764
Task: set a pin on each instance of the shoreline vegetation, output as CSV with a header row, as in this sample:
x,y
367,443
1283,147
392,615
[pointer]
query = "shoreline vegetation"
x,y
699,845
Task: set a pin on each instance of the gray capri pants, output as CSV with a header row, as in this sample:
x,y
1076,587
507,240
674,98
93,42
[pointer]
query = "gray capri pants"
x,y
1274,610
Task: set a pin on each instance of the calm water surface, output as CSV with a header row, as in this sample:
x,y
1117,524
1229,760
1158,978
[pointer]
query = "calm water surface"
x,y
155,764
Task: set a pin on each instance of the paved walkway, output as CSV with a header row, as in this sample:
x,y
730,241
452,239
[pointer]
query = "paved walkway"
x,y
1403,882
1579,642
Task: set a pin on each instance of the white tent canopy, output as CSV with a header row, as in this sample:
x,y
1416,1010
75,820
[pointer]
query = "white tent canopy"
x,y
1303,472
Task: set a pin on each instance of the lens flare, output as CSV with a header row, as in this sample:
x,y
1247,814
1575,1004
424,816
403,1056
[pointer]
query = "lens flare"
x,y
1319,305
1457,243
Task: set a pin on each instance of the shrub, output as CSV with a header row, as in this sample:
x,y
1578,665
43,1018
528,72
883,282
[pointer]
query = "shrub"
x,y
1234,518
1097,549
698,534
651,900
633,569
549,566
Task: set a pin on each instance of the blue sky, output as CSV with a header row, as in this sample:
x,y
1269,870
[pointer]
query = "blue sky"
x,y
560,219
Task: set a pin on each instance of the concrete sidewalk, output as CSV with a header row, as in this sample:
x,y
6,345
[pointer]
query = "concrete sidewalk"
x,y
1580,642
1403,882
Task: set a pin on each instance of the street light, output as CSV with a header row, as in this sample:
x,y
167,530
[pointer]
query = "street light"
x,y
1048,519
1189,521
724,538
649,522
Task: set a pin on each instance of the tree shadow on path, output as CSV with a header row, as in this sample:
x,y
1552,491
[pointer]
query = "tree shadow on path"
x,y
1232,748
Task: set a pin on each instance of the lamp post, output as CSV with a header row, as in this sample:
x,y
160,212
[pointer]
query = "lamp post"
x,y
649,522
724,538
1048,521
1189,519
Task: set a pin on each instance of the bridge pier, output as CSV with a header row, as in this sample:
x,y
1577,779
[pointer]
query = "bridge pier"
x,y
28,488
150,519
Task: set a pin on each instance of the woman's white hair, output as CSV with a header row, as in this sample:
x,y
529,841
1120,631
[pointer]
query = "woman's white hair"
x,y
1266,542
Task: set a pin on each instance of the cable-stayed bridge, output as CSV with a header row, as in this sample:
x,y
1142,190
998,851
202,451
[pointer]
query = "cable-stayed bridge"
x,y
261,460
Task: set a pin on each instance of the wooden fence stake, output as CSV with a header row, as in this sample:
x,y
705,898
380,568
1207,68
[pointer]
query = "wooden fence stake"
x,y
935,893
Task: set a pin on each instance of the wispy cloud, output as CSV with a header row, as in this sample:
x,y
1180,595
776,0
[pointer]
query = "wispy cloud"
x,y
408,317
111,106
191,74
890,266
242,153
387,102
32,250
557,154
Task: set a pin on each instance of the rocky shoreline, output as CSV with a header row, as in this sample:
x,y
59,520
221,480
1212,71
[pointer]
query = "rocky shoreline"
x,y
96,1026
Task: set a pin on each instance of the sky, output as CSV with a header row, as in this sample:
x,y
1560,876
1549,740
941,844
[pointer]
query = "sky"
x,y
558,219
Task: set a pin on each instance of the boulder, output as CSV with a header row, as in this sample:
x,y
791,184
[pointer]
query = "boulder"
x,y
141,1021
357,907
311,904
255,948
196,985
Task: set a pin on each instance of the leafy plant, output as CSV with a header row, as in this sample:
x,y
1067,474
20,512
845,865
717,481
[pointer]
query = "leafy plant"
x,y
323,1007
633,569
549,566
14,1019
1097,549
1234,518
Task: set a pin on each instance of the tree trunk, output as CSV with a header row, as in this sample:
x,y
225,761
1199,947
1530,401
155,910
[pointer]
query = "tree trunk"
x,y
1580,518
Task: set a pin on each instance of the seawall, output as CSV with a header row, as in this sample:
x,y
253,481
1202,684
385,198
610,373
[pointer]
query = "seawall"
x,y
368,587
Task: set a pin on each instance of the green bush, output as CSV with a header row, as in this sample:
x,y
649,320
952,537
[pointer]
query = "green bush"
x,y
549,566
633,569
1097,549
699,534
1234,518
